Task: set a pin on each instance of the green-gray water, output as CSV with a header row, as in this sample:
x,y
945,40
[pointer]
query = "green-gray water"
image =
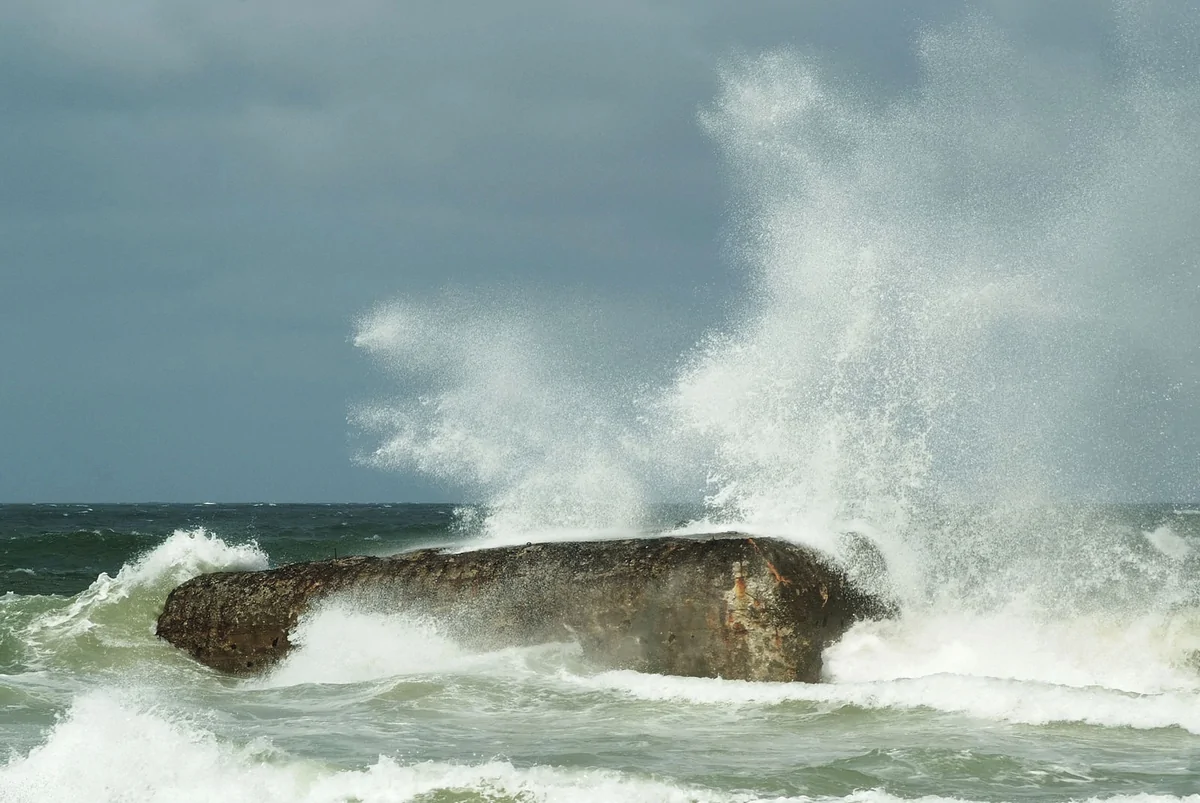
x,y
1017,698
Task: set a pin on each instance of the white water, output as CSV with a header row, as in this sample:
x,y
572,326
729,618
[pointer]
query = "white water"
x,y
182,556
340,643
1014,665
152,757
986,699
175,736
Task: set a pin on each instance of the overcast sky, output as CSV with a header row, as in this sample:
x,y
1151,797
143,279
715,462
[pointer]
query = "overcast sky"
x,y
197,201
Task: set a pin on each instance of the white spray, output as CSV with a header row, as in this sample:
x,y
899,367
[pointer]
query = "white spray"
x,y
971,310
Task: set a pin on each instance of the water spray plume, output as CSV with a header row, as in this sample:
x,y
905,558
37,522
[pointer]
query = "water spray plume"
x,y
970,319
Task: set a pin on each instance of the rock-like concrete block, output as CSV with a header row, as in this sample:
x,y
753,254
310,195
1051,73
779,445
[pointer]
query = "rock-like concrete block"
x,y
723,606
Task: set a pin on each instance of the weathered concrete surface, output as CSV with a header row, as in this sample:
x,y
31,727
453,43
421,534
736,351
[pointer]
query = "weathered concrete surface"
x,y
728,606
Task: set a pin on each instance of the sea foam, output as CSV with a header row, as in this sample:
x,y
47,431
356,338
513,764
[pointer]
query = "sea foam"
x,y
341,641
984,698
1014,665
108,749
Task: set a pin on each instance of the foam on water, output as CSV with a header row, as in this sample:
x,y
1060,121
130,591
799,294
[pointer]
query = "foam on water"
x,y
108,749
1017,702
342,641
339,642
1150,655
1010,666
111,749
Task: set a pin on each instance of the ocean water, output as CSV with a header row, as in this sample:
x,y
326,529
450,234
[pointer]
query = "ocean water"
x,y
965,329
1020,700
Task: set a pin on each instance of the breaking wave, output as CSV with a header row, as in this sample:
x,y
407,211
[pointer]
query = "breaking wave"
x,y
109,749
119,611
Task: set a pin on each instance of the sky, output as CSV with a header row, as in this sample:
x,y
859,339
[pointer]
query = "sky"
x,y
200,200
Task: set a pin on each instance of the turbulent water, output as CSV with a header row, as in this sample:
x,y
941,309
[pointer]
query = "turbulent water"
x,y
1025,702
968,335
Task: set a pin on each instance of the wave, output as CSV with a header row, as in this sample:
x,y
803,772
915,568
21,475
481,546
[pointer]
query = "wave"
x,y
938,318
1146,655
998,700
110,748
119,611
1011,666
984,698
1014,665
341,642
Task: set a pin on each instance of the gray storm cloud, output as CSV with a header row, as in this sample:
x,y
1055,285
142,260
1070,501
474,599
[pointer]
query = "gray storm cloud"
x,y
198,200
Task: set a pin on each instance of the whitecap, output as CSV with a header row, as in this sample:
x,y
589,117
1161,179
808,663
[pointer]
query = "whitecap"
x,y
108,749
183,555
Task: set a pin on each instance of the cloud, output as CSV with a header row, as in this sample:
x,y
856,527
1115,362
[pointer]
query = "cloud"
x,y
244,178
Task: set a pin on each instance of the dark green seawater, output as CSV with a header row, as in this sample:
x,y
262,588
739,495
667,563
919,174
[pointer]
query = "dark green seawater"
x,y
1079,685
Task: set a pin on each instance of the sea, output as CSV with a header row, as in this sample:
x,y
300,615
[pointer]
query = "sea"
x,y
959,322
1026,699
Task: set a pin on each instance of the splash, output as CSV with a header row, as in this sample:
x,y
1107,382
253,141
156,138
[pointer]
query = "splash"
x,y
503,413
339,643
948,289
970,316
